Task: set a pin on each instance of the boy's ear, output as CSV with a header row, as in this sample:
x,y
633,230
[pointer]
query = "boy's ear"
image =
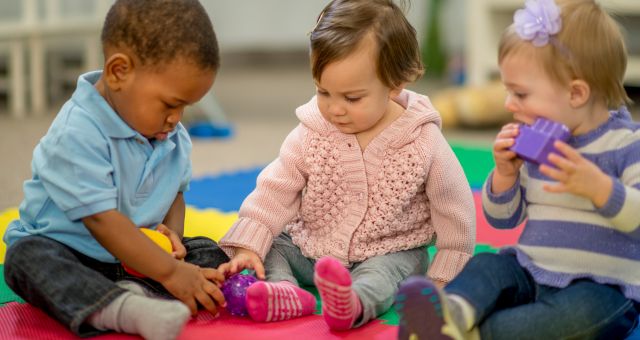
x,y
580,92
118,69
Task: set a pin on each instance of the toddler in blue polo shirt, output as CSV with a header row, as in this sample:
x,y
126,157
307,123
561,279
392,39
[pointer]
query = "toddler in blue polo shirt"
x,y
116,159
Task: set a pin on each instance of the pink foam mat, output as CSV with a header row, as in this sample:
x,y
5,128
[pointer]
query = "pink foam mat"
x,y
23,321
486,234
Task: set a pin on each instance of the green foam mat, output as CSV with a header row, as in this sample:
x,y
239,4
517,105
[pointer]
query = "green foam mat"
x,y
477,162
6,294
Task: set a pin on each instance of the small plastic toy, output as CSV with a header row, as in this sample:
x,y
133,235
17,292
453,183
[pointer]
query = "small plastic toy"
x,y
158,238
535,142
234,290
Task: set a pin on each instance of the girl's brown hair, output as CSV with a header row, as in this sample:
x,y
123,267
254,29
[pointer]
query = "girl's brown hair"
x,y
344,23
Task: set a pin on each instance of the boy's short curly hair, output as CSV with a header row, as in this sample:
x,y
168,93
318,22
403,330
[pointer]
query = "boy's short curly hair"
x,y
159,31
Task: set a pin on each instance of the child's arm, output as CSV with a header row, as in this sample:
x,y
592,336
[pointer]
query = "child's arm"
x,y
508,164
502,200
185,281
173,226
452,211
174,219
273,203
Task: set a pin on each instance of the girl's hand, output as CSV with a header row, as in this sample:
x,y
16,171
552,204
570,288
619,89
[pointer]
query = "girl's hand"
x,y
179,251
507,163
577,175
243,259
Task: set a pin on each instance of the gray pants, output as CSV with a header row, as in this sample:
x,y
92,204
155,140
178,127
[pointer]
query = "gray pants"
x,y
374,280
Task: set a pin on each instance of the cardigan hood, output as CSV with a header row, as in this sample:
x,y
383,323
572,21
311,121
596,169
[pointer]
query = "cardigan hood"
x,y
418,112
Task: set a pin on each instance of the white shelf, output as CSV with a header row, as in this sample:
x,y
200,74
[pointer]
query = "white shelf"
x,y
487,19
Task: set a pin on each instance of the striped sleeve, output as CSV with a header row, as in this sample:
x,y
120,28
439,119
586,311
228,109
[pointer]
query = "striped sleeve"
x,y
504,210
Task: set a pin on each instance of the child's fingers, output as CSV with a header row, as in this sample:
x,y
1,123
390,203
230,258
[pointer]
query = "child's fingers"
x,y
259,268
559,174
179,251
565,166
164,230
215,292
191,304
229,268
224,268
207,302
213,275
502,144
568,152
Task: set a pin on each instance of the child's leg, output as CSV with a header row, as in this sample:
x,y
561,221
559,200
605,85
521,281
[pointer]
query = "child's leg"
x,y
204,252
280,298
428,313
70,287
129,313
54,278
372,282
582,310
488,282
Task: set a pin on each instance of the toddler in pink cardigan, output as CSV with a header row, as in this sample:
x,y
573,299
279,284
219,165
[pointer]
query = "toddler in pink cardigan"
x,y
362,185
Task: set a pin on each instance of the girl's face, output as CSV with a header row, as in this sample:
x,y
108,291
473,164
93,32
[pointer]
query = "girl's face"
x,y
532,94
350,94
152,100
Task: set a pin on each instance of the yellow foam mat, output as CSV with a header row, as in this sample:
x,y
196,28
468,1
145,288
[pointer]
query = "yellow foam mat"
x,y
207,222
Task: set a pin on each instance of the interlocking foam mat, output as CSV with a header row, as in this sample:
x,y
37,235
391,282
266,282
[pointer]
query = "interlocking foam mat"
x,y
213,202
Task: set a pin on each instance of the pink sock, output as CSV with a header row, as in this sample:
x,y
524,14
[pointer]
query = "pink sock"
x,y
341,306
276,301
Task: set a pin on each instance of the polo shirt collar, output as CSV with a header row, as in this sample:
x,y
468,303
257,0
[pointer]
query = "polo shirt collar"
x,y
87,96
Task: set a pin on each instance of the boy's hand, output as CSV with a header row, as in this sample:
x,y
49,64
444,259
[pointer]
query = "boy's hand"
x,y
191,284
507,163
577,175
243,259
179,251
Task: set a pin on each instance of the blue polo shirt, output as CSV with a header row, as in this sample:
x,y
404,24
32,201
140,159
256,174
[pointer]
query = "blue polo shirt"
x,y
91,161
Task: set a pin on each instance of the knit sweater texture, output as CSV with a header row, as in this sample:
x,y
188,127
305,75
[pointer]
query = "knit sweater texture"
x,y
405,190
566,237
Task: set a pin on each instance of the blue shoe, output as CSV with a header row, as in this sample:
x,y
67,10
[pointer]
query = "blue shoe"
x,y
423,312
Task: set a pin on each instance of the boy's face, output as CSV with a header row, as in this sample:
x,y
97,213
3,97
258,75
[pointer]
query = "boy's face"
x,y
350,94
152,99
532,94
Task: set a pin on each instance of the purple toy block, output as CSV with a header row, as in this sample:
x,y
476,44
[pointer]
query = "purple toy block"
x,y
535,142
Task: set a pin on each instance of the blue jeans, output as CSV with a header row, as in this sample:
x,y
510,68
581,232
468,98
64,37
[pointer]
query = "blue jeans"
x,y
70,286
509,304
375,280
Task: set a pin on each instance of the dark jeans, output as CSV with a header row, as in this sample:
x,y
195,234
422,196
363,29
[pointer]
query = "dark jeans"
x,y
70,286
509,304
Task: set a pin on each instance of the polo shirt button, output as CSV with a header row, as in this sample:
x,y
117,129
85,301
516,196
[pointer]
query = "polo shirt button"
x,y
140,141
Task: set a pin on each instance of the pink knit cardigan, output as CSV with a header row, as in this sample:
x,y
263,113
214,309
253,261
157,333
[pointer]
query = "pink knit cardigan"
x,y
405,190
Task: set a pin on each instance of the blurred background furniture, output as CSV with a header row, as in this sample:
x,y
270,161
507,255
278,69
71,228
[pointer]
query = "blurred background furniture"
x,y
486,19
43,46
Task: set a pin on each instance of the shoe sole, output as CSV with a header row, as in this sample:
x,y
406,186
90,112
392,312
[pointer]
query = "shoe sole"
x,y
421,311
